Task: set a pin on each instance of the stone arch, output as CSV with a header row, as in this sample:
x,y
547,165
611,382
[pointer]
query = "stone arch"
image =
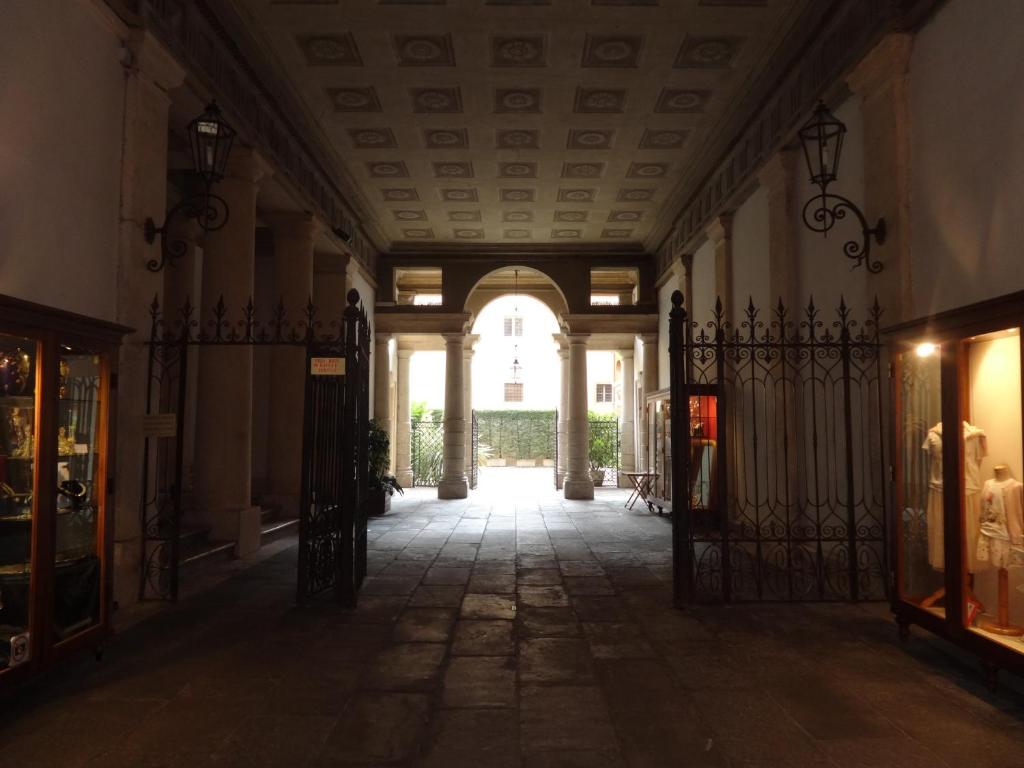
x,y
547,290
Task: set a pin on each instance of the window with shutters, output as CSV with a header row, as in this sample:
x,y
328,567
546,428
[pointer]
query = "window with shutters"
x,y
513,326
604,393
514,392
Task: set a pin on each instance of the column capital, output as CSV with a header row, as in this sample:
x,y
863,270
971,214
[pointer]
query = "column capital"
x,y
405,354
293,224
886,62
577,339
154,62
452,339
626,354
649,339
246,164
778,174
382,339
720,229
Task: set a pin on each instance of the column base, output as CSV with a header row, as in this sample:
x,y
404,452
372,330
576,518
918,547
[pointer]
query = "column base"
x,y
404,478
453,489
579,489
242,526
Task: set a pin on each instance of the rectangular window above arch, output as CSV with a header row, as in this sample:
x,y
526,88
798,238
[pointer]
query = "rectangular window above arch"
x,y
514,392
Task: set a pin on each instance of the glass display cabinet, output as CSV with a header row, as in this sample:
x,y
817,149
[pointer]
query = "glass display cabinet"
x,y
958,445
56,385
702,414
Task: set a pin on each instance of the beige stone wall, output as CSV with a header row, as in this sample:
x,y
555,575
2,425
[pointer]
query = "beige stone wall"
x,y
750,253
61,111
967,161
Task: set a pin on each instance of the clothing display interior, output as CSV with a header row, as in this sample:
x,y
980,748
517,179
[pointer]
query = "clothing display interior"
x,y
958,544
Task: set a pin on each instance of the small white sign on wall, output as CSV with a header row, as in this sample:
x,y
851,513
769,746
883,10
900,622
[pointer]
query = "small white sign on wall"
x,y
327,366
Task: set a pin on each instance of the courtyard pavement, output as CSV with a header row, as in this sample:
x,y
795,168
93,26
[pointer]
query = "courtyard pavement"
x,y
510,630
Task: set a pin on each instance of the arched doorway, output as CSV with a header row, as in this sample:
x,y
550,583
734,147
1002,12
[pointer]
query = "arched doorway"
x,y
515,392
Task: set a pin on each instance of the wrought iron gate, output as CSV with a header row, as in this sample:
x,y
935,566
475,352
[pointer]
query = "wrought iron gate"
x,y
332,507
779,484
604,450
427,452
554,452
474,453
174,341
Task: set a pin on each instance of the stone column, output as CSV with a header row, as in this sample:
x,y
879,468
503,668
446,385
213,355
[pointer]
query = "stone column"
x,y
224,435
153,73
403,429
382,388
719,232
881,81
184,283
578,484
650,385
293,278
627,420
454,484
563,412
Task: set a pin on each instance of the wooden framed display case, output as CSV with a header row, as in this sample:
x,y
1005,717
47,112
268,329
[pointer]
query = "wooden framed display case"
x,y
658,412
703,436
957,529
57,376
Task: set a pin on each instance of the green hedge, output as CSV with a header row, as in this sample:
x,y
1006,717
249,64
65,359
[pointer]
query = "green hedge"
x,y
515,435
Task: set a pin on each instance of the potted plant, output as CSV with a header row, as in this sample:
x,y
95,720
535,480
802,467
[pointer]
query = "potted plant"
x,y
381,484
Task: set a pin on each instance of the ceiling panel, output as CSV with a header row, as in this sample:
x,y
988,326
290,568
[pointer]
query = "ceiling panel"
x,y
512,121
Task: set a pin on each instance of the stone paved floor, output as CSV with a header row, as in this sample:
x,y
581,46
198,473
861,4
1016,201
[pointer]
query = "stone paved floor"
x,y
510,631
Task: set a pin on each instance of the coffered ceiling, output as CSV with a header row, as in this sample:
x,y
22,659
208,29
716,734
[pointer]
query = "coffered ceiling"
x,y
512,122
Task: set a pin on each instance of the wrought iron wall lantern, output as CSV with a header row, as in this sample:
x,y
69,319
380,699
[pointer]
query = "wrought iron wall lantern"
x,y
822,139
210,139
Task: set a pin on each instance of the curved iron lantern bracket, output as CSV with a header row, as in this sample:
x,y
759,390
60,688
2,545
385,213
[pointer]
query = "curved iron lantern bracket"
x,y
832,208
210,212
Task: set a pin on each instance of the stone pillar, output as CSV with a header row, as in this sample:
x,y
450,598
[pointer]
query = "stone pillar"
x,y
454,484
184,283
578,483
881,81
563,413
778,177
224,435
294,235
627,421
382,389
650,385
403,429
719,232
153,73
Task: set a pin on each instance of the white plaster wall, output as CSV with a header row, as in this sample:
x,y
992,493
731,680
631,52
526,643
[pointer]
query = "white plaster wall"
x,y
824,272
967,162
538,355
664,307
601,370
426,378
61,109
750,254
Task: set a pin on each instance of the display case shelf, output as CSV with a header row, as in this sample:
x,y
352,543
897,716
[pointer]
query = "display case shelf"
x,y
56,541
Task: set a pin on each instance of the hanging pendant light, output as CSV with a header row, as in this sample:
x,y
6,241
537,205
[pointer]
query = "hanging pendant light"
x,y
516,320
